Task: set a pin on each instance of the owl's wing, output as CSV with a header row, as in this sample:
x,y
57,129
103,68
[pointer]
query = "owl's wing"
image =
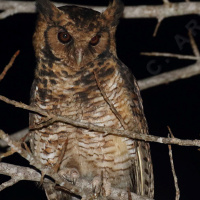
x,y
120,88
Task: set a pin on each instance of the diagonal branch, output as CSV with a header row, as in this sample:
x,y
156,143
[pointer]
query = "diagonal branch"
x,y
9,65
171,76
18,173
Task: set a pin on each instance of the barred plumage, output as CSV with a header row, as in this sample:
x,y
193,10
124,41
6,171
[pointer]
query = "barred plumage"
x,y
86,81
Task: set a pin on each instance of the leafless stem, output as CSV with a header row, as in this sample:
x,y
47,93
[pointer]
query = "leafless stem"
x,y
174,173
173,169
157,26
179,56
9,65
193,45
171,76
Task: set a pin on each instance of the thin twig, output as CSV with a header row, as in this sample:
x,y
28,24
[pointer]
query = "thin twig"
x,y
174,173
109,102
9,65
105,130
193,45
157,26
171,76
173,169
179,56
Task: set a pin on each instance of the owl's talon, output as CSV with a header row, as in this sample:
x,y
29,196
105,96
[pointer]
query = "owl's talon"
x,y
70,174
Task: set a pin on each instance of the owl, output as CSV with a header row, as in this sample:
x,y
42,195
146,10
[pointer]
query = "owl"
x,y
79,76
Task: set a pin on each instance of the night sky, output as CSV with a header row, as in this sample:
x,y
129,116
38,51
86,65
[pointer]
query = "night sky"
x,y
175,105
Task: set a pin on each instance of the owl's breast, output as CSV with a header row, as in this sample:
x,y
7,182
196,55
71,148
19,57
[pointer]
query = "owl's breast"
x,y
79,97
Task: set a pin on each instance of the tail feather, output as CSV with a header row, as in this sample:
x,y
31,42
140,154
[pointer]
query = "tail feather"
x,y
144,171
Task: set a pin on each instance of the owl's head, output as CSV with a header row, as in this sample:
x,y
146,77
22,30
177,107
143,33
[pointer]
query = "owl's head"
x,y
73,35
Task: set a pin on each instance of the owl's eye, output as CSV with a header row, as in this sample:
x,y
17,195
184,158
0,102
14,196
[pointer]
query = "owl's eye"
x,y
64,37
95,40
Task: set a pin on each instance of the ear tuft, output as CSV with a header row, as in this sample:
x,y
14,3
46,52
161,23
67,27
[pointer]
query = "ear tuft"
x,y
46,8
114,12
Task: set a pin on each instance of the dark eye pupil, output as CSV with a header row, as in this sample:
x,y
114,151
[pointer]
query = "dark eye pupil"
x,y
95,40
64,37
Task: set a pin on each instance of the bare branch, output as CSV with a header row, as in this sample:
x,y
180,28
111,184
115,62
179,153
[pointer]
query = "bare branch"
x,y
17,173
157,26
173,169
159,11
171,76
179,56
9,65
15,136
8,183
105,130
193,45
174,173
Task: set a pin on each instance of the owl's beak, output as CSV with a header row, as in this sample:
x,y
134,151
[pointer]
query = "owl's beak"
x,y
79,56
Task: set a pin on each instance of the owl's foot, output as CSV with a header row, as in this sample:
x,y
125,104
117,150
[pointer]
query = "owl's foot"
x,y
101,186
70,174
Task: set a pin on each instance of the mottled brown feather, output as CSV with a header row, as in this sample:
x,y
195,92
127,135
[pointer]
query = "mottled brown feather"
x,y
99,90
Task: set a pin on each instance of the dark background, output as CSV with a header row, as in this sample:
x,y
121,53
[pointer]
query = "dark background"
x,y
175,104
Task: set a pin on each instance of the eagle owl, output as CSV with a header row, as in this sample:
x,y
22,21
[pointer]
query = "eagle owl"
x,y
79,76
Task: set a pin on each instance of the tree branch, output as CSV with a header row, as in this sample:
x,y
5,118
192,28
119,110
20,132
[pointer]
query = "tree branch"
x,y
9,65
159,11
171,55
15,136
173,168
105,130
171,76
18,173
167,77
